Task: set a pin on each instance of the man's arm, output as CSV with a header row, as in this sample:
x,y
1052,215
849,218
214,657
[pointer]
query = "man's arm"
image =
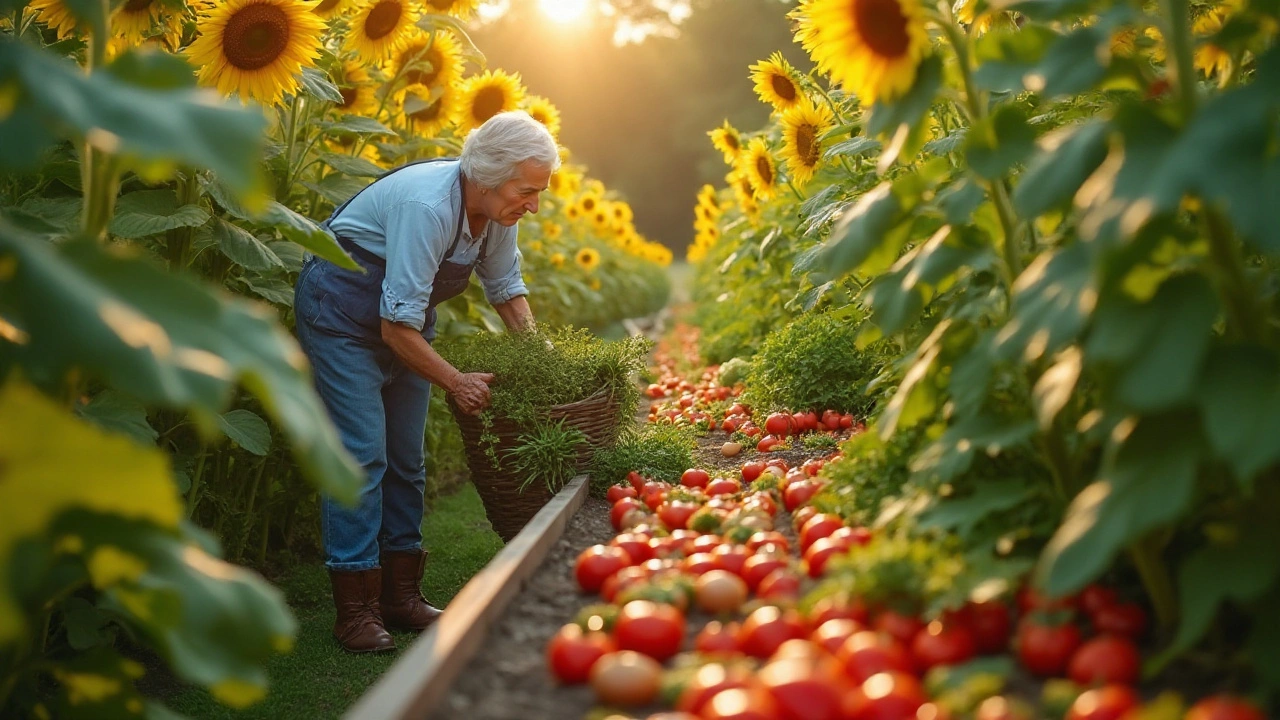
x,y
515,313
469,390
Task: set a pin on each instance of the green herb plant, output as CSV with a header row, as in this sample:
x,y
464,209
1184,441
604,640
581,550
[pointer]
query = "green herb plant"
x,y
548,454
661,452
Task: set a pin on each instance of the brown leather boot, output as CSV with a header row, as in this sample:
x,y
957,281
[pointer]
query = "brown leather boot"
x,y
403,606
359,626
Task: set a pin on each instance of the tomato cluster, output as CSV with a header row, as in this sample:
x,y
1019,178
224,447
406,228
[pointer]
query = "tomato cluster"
x,y
714,546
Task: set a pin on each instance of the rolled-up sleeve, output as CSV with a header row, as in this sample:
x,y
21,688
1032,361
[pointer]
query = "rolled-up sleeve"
x,y
415,242
500,272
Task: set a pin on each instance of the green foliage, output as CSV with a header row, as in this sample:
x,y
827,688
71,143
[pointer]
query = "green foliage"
x,y
814,363
661,452
871,472
547,454
907,575
818,441
734,371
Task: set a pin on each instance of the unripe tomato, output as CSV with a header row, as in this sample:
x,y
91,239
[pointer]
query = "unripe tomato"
x,y
1110,702
597,563
1106,659
942,644
653,629
695,478
572,653
766,629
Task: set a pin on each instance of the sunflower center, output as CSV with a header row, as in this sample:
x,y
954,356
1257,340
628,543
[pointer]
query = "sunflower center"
x,y
765,170
882,26
137,6
807,145
488,102
440,5
349,96
255,36
783,86
428,113
383,18
325,6
732,142
432,57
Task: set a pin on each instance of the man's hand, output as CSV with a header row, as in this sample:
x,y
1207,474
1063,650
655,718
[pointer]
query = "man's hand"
x,y
471,392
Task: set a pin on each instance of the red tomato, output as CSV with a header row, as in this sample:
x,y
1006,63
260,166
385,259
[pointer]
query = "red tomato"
x,y
623,579
695,478
758,566
991,625
751,703
699,563
768,443
637,480
799,493
902,628
1104,660
812,467
832,634
764,500
780,463
767,628
617,492
724,486
852,536
572,652
942,644
709,680
1031,599
765,537
801,516
1095,597
730,424
675,515
834,606
846,421
780,584
597,563
706,543
779,424
731,557
621,508
751,470
885,696
1224,707
820,553
799,423
738,409
805,688
667,546
1110,702
867,653
649,628
819,526
1128,619
1046,649
717,637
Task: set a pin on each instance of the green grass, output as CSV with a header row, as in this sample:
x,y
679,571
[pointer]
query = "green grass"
x,y
318,680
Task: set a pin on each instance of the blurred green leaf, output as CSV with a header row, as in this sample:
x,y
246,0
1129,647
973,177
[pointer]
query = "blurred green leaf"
x,y
183,125
336,187
151,212
897,296
860,233
910,109
995,145
166,340
853,147
153,69
1066,158
1053,299
962,514
357,124
1146,481
116,412
1239,393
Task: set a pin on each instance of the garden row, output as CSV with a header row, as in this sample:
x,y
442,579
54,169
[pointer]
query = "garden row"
x,y
1024,241
150,235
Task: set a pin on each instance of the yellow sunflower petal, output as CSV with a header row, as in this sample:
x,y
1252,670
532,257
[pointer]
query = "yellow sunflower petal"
x,y
484,96
256,48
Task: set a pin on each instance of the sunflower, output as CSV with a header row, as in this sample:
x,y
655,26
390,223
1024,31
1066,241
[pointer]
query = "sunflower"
x,y
757,164
588,203
256,48
329,8
565,182
484,96
775,82
356,89
541,109
587,258
430,110
552,230
600,219
966,11
557,259
622,213
379,28
871,47
461,9
573,212
428,60
727,140
594,283
802,129
133,19
1211,59
55,15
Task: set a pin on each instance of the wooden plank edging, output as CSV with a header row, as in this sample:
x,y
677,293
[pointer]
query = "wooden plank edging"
x,y
419,678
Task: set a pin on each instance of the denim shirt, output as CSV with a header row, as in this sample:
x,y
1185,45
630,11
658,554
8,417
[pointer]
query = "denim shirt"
x,y
408,218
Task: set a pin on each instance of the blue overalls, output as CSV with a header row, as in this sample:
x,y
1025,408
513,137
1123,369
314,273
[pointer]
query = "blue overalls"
x,y
377,403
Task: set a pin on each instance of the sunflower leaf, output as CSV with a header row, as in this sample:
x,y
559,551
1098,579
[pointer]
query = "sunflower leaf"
x,y
351,165
886,118
437,23
319,86
150,212
355,124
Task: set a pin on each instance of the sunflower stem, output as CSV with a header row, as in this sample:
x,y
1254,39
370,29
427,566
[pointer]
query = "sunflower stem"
x,y
835,109
291,131
1177,33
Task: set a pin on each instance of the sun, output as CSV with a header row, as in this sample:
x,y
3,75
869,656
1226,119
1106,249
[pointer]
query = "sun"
x,y
564,11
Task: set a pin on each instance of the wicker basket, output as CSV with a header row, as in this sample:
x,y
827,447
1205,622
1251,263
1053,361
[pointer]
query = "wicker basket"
x,y
507,507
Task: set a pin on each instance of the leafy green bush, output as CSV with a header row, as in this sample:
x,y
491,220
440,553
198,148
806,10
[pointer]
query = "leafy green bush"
x,y
734,371
814,364
661,452
548,454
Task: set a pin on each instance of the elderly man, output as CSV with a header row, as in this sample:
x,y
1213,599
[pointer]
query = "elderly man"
x,y
418,232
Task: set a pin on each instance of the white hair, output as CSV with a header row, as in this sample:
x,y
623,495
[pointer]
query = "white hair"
x,y
494,151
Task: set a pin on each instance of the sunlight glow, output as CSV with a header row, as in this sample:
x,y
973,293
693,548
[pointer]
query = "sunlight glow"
x,y
564,11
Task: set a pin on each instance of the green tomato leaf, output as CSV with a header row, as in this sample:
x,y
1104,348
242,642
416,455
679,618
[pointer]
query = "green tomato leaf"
x,y
247,430
165,340
151,212
1146,481
182,125
1239,393
995,145
242,247
962,514
1066,158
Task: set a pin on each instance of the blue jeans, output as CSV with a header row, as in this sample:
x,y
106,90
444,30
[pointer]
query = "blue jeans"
x,y
379,407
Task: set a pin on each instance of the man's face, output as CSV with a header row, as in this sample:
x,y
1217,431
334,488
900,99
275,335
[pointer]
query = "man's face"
x,y
519,195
